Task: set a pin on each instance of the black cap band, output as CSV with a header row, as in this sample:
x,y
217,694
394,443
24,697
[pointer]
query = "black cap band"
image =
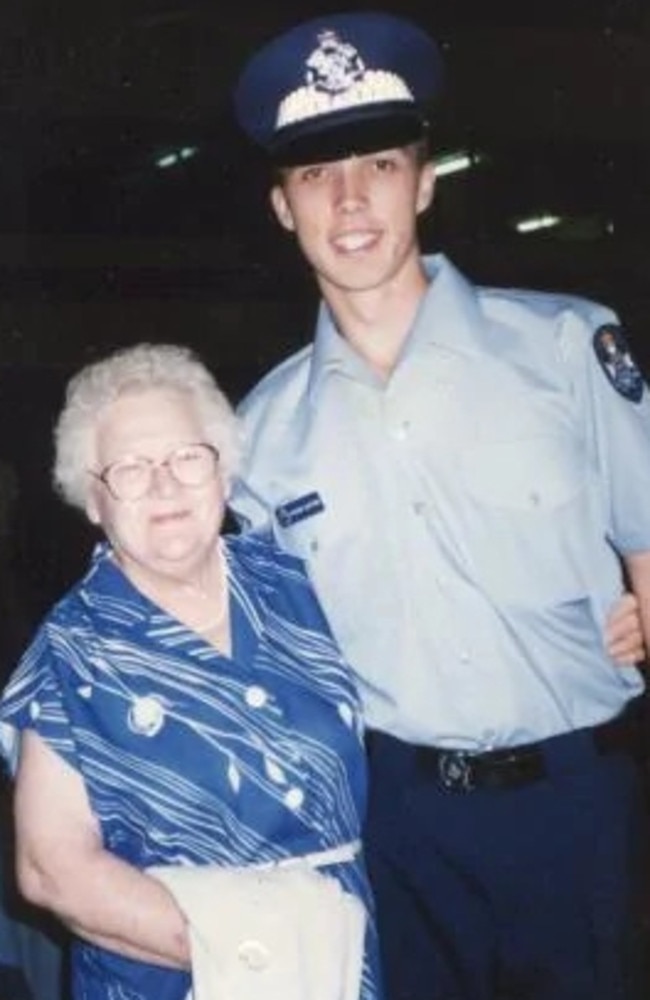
x,y
296,146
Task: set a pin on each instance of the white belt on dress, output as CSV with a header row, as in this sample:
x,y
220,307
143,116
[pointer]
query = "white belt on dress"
x,y
317,859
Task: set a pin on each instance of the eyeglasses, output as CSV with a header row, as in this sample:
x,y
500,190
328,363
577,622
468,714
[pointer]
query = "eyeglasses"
x,y
132,477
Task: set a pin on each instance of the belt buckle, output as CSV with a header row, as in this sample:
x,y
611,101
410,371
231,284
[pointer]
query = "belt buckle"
x,y
456,771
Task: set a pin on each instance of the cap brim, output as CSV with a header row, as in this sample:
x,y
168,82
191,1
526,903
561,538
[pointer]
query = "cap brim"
x,y
343,136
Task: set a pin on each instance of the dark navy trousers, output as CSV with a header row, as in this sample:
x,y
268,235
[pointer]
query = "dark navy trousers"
x,y
534,892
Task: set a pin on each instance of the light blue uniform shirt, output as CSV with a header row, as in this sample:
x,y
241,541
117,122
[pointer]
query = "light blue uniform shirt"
x,y
461,520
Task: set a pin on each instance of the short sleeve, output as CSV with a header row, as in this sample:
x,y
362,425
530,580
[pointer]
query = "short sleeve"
x,y
617,402
33,699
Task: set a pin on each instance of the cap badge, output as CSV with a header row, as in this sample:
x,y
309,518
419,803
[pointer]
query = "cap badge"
x,y
336,78
334,66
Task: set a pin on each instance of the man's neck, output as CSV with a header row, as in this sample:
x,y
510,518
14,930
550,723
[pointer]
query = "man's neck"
x,y
377,322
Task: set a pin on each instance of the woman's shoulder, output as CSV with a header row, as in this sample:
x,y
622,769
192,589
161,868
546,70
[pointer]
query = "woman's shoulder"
x,y
258,552
79,607
276,580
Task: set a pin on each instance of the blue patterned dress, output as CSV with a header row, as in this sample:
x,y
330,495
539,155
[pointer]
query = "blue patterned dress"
x,y
192,757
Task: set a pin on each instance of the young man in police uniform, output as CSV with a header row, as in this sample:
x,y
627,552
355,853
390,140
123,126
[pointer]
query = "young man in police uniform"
x,y
464,479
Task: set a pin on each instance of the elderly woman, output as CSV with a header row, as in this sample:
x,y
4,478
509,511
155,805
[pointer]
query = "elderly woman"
x,y
182,708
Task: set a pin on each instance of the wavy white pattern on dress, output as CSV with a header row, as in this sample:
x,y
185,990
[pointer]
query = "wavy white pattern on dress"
x,y
192,757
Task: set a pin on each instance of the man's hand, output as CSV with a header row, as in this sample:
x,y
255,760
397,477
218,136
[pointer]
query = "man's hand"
x,y
623,634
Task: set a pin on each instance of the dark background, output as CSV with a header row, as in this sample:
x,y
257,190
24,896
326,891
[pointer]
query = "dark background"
x,y
100,247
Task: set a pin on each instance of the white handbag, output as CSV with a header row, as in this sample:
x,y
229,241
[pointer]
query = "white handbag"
x,y
282,932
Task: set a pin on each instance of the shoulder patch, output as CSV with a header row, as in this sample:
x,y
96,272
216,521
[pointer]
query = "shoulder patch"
x,y
617,362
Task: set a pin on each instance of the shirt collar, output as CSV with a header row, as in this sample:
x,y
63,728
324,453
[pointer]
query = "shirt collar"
x,y
449,316
331,351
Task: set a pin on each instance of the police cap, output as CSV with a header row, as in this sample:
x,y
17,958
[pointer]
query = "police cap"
x,y
337,85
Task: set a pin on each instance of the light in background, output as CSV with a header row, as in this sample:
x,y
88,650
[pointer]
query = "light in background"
x,y
455,163
174,157
537,222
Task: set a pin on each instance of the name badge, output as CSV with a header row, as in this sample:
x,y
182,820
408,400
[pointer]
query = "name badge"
x,y
297,510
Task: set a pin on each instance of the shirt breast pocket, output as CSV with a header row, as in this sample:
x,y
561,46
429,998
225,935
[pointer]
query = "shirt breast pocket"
x,y
529,514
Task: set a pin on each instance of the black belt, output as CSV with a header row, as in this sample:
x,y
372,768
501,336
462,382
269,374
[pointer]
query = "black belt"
x,y
466,770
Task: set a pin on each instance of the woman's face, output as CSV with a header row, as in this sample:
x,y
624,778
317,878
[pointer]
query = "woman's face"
x,y
172,529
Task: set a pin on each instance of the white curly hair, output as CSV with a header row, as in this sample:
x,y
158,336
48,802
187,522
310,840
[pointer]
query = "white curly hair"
x,y
142,367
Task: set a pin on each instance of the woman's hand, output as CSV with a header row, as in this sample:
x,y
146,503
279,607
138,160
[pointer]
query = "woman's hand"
x,y
63,866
